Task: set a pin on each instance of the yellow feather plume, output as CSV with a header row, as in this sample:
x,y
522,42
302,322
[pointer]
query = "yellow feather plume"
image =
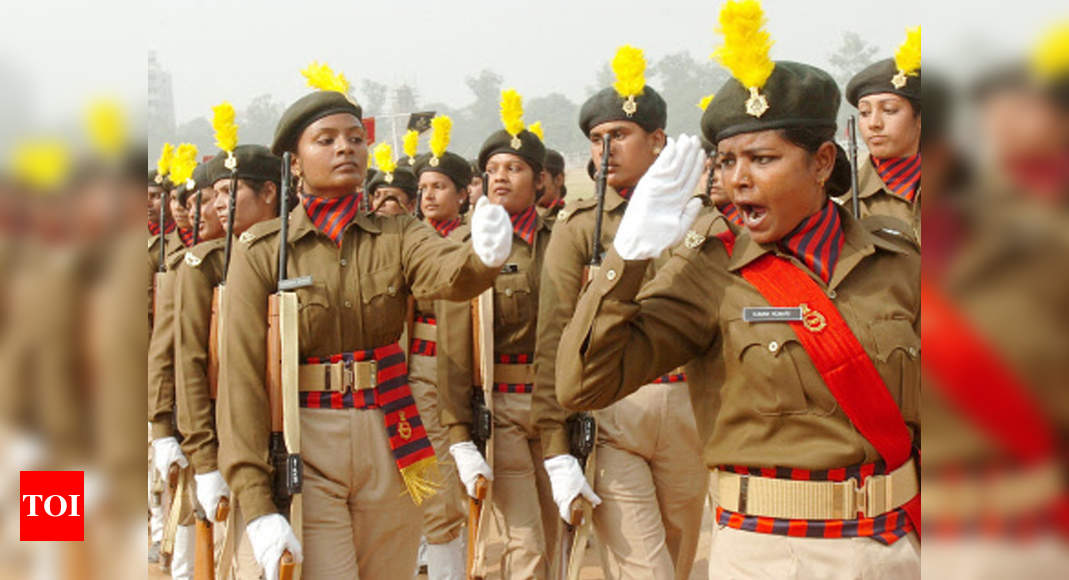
x,y
411,142
320,76
41,163
746,43
512,111
106,126
183,164
226,129
536,128
704,103
163,164
384,157
629,66
441,129
1050,58
908,55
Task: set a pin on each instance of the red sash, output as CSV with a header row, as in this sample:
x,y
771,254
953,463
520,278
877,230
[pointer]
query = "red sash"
x,y
839,358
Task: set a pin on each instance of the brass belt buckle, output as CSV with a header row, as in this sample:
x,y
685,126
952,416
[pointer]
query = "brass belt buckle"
x,y
348,376
861,503
368,372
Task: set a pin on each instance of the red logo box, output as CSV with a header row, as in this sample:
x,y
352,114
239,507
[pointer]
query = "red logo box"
x,y
51,506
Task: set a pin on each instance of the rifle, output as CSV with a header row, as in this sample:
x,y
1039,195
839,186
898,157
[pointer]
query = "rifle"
x,y
230,210
204,551
582,437
599,191
196,218
709,179
282,373
851,133
482,314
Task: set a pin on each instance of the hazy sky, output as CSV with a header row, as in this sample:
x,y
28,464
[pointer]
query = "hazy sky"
x,y
218,50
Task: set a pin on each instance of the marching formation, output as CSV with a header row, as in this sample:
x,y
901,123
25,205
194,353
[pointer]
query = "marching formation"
x,y
353,369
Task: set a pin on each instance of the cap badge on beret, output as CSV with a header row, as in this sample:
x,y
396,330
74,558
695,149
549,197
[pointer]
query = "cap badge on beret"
x,y
183,164
226,132
907,57
629,66
441,133
745,50
384,160
411,145
320,76
163,163
512,115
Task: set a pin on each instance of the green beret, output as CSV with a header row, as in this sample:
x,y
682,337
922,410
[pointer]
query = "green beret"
x,y
307,110
876,78
164,183
798,96
607,105
369,175
402,178
198,180
554,162
530,148
254,163
449,164
707,146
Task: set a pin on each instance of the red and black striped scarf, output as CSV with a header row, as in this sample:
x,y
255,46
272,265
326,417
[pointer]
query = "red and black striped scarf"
x,y
902,175
523,224
732,213
555,204
412,450
154,228
625,192
331,214
186,236
444,228
817,241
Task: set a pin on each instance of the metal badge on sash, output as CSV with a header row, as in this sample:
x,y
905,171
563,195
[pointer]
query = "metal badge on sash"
x,y
772,314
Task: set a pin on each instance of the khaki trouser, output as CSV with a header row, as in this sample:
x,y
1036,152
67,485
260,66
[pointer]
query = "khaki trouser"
x,y
521,495
741,554
652,483
444,512
358,520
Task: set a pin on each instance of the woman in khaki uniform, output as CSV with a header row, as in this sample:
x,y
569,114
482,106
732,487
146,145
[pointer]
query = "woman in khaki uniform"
x,y
443,177
647,474
887,95
512,160
258,188
787,397
363,445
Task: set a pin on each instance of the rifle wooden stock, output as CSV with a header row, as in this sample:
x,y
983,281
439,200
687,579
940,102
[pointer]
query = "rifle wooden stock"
x,y
567,538
273,377
287,566
222,511
475,506
204,552
213,342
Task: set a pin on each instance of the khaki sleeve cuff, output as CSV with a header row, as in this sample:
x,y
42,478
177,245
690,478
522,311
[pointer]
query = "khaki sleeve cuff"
x,y
459,433
206,459
163,426
255,501
554,441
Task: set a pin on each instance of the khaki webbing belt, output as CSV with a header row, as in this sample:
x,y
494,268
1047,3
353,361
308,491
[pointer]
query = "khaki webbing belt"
x,y
816,500
424,331
514,374
340,376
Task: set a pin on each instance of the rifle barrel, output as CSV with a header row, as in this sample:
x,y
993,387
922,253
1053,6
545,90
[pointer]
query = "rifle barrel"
x,y
196,219
851,132
231,209
284,214
600,185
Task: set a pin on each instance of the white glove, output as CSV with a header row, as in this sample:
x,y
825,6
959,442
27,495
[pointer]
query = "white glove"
x,y
568,481
470,464
166,451
661,209
210,489
271,535
491,233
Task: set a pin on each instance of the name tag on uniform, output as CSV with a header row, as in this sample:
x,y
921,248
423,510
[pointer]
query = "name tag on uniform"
x,y
294,283
772,314
510,269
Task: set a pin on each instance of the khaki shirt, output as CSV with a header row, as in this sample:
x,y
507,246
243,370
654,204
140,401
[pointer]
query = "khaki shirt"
x,y
357,301
516,299
161,349
569,253
201,271
171,244
875,199
758,399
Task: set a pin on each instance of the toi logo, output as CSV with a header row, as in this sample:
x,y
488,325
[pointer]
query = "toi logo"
x,y
51,506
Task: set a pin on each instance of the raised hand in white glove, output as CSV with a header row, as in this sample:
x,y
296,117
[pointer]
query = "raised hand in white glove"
x,y
568,481
470,464
491,233
166,451
271,535
661,209
210,489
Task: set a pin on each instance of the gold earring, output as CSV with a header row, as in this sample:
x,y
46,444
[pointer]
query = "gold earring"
x,y
656,150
